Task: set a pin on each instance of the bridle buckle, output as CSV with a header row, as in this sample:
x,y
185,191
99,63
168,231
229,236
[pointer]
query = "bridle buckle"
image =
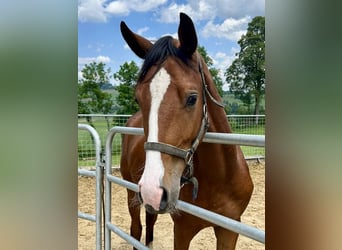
x,y
188,157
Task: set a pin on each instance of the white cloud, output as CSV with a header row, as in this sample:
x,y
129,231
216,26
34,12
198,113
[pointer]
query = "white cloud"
x,y
118,8
226,19
91,10
198,11
87,60
124,7
222,61
101,10
104,59
142,30
211,9
238,8
142,6
231,29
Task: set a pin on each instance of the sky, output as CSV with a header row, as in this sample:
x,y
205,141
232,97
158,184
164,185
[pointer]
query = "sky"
x,y
219,25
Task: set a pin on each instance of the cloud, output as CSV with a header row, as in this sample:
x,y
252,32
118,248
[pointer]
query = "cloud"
x,y
124,7
210,9
91,10
238,8
101,10
222,61
104,59
142,30
231,29
87,60
227,19
197,11
118,8
143,6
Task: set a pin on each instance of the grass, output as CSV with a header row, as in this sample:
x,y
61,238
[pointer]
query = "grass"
x,y
91,161
86,148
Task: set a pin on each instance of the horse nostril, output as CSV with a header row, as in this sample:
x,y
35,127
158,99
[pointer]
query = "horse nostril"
x,y
164,200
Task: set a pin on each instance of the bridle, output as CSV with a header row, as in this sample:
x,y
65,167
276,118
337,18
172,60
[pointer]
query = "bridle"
x,y
187,154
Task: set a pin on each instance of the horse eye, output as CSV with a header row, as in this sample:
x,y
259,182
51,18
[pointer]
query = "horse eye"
x,y
191,100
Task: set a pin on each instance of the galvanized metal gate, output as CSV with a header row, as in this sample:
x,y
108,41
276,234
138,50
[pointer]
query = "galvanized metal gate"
x,y
225,222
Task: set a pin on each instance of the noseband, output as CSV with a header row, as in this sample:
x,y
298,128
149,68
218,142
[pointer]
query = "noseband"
x,y
187,154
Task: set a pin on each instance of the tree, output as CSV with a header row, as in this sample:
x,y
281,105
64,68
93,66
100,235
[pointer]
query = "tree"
x,y
91,99
127,77
213,71
246,75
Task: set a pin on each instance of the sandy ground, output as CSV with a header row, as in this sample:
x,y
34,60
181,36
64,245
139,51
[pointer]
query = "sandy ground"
x,y
163,238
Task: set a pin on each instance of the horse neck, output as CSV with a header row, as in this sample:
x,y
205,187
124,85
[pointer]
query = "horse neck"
x,y
218,122
217,115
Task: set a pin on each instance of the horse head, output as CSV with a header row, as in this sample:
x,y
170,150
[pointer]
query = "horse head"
x,y
171,96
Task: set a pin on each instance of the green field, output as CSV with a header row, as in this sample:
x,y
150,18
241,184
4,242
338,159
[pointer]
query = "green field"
x,y
86,151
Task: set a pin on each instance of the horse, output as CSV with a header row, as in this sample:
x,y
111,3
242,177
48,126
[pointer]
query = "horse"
x,y
178,103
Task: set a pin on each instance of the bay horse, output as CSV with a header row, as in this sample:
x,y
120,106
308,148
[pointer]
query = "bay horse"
x,y
178,103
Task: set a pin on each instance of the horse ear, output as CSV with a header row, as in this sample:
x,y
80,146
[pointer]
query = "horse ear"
x,y
138,44
187,35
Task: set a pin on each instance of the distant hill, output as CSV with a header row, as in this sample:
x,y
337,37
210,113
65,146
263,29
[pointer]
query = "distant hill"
x,y
236,106
107,86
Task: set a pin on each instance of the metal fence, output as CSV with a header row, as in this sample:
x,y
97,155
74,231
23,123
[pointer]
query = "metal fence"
x,y
92,136
225,222
241,124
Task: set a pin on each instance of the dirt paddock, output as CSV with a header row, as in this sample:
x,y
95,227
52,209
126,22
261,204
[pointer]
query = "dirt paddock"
x,y
163,238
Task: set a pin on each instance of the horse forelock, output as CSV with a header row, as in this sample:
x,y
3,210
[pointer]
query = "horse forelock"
x,y
160,51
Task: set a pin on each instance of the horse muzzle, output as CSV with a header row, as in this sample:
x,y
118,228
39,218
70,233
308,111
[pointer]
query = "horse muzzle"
x,y
159,204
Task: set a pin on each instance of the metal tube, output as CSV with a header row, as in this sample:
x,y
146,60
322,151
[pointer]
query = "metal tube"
x,y
108,188
137,244
98,188
102,115
210,137
235,139
124,183
85,172
222,221
207,215
110,178
86,216
127,130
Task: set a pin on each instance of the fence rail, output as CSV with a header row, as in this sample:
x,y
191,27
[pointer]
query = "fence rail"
x,y
241,124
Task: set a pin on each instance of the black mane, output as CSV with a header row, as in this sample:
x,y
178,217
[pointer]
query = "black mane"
x,y
160,50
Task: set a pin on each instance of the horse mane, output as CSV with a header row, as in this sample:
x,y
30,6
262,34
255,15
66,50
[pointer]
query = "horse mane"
x,y
160,50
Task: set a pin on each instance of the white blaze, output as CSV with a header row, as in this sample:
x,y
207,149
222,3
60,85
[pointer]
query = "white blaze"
x,y
154,170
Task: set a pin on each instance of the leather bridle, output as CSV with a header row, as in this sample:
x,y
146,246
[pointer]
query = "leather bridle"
x,y
187,154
